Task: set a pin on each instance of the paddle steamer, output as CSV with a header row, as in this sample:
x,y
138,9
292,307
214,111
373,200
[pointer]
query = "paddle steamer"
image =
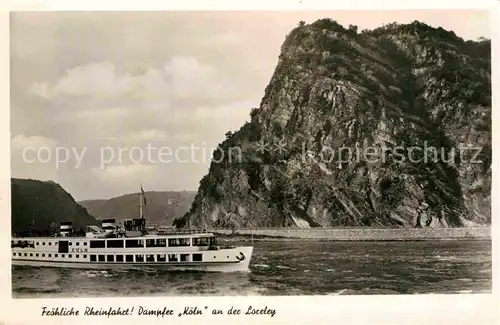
x,y
130,246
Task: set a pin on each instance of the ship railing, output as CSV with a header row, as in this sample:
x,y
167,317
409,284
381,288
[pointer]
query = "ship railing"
x,y
182,232
226,247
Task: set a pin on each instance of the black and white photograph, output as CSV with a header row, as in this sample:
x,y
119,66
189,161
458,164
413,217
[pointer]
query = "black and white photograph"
x,y
250,153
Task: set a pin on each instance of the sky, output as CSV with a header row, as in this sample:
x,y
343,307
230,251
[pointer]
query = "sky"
x,y
102,102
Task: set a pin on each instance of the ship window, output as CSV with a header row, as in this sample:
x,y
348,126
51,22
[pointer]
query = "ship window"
x,y
150,258
184,257
50,255
43,255
172,257
93,258
173,242
62,255
84,243
201,241
110,258
77,243
161,242
116,243
97,244
69,255
31,254
139,258
119,258
84,256
55,255
77,256
70,243
55,243
161,258
25,254
13,254
43,243
129,258
134,243
102,258
197,257
50,243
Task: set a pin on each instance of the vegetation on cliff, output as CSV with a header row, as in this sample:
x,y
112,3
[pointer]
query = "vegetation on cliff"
x,y
417,97
38,208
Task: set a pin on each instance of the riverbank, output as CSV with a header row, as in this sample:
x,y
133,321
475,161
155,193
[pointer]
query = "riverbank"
x,y
355,234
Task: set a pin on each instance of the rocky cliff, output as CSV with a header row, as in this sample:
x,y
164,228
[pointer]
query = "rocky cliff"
x,y
383,128
38,207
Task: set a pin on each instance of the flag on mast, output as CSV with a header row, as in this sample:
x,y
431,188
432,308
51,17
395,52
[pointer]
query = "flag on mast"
x,y
143,197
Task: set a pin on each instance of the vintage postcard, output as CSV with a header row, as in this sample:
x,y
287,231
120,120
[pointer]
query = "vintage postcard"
x,y
304,164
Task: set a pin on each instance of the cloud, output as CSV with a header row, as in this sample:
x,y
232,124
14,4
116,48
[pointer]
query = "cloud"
x,y
187,68
146,121
40,89
22,141
180,78
146,135
33,157
98,80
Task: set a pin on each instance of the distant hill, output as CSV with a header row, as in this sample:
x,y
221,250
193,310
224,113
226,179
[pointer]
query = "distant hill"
x,y
38,207
161,207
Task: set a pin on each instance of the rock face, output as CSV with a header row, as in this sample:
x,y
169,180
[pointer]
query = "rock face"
x,y
382,128
161,206
38,208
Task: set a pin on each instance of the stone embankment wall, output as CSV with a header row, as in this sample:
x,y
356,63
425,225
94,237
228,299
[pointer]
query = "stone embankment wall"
x,y
352,234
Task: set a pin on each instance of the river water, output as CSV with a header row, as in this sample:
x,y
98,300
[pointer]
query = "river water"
x,y
289,268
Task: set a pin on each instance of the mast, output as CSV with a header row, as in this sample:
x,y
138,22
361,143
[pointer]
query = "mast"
x,y
142,201
140,205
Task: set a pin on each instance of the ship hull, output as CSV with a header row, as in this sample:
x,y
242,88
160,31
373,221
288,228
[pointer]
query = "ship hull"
x,y
216,266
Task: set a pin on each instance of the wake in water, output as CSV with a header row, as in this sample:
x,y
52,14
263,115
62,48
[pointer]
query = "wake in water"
x,y
96,273
261,265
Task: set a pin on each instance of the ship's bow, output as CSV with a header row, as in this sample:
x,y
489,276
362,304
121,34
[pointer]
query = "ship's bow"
x,y
247,252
